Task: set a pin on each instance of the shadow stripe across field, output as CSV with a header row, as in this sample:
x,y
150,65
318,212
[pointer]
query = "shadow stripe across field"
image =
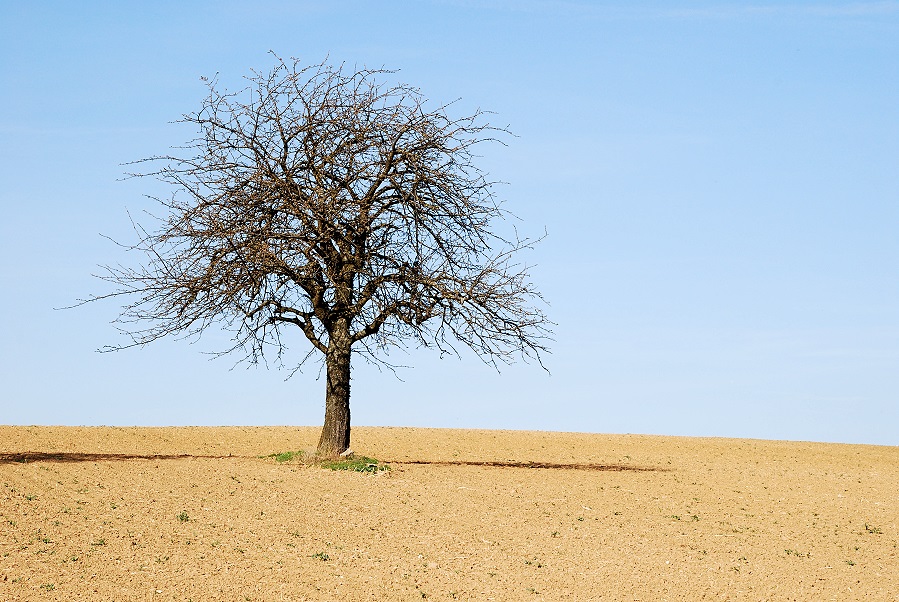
x,y
546,465
25,457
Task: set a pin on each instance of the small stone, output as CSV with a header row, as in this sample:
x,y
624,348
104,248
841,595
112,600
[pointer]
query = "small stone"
x,y
347,453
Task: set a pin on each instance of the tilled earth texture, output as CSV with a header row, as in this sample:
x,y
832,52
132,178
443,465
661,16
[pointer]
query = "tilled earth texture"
x,y
194,514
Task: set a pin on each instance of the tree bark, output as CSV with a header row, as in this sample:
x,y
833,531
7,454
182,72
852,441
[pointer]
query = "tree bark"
x,y
335,438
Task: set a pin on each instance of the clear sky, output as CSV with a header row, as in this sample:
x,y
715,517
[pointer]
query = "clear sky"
x,y
719,183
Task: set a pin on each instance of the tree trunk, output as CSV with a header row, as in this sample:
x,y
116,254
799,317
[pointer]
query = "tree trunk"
x,y
335,437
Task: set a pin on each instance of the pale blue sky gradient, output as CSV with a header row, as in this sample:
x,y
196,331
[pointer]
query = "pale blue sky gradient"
x,y
719,182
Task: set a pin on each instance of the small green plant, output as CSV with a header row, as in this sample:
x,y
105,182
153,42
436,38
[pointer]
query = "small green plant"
x,y
323,556
798,554
31,497
183,517
356,464
99,542
48,586
287,456
872,529
850,563
674,516
554,534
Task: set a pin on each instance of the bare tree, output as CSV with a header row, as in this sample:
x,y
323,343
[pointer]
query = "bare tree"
x,y
330,201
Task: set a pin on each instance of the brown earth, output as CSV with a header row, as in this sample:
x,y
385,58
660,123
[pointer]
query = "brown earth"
x,y
195,514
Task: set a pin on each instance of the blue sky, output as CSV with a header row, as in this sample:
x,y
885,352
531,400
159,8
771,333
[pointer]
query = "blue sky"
x,y
719,183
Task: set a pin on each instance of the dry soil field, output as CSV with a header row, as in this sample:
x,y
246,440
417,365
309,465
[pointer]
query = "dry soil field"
x,y
196,514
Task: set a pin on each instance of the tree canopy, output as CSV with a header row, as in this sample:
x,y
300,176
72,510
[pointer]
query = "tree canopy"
x,y
325,199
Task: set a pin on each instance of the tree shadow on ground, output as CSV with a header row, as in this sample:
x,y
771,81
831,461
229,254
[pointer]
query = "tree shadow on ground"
x,y
544,465
26,457
67,457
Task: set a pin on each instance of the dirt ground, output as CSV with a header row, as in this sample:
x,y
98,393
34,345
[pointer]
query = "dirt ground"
x,y
195,514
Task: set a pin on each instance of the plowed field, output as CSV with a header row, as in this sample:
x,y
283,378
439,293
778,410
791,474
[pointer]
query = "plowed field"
x,y
194,514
